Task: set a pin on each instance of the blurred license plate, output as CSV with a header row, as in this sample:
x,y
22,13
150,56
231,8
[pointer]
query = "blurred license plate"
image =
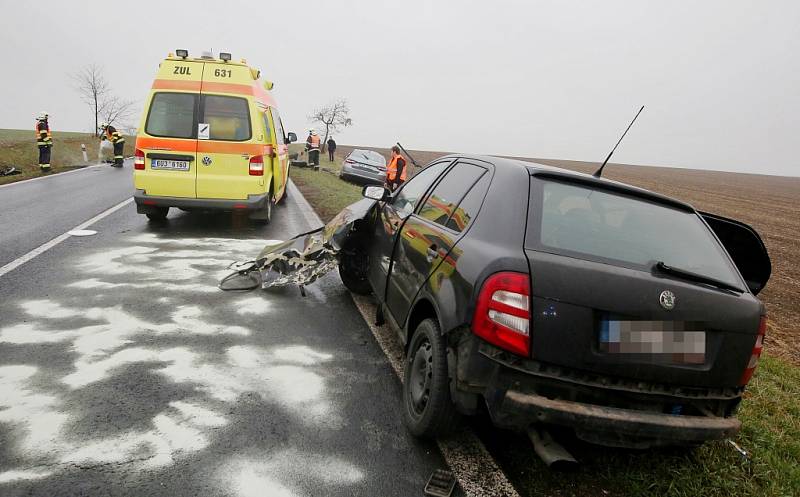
x,y
664,341
174,165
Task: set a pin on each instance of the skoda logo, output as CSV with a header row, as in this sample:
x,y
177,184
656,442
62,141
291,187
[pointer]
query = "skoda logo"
x,y
667,300
206,160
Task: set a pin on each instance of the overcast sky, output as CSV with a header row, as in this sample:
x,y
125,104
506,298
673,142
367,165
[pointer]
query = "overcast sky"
x,y
556,79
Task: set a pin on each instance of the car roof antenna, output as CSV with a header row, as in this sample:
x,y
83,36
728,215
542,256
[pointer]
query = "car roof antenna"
x,y
599,172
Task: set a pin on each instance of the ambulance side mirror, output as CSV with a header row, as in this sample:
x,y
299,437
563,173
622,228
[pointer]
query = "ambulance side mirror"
x,y
292,137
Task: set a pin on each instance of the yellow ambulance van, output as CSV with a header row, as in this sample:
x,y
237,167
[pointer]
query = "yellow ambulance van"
x,y
211,138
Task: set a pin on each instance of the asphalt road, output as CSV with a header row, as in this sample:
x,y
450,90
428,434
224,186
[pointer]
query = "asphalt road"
x,y
33,212
125,371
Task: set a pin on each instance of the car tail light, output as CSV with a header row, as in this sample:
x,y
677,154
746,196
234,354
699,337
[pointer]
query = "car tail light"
x,y
756,354
138,160
349,161
502,313
257,165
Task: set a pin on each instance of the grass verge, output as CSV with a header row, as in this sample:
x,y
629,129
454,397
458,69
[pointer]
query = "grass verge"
x,y
770,415
18,149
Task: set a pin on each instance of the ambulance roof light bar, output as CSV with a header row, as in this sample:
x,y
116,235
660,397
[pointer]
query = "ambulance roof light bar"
x,y
182,53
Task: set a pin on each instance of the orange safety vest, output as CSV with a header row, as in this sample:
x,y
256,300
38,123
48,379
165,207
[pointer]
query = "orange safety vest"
x,y
313,141
391,169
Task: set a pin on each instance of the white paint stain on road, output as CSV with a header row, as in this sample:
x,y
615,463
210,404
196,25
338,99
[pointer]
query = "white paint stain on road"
x,y
104,342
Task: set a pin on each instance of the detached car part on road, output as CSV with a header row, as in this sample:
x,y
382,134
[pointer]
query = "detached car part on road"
x,y
211,138
557,298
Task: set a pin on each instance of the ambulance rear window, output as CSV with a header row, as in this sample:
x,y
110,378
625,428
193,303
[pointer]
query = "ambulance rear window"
x,y
172,115
228,117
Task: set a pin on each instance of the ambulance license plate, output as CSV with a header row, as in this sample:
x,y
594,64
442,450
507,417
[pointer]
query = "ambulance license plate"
x,y
172,165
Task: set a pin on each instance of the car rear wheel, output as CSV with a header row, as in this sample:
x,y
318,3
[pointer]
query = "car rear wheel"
x,y
428,410
158,214
354,264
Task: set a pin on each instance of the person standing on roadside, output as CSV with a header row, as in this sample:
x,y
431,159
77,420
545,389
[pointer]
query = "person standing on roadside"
x,y
312,145
331,148
117,140
44,140
396,170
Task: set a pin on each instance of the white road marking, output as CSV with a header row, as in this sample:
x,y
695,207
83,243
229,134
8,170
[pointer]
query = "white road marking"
x,y
22,182
60,238
477,472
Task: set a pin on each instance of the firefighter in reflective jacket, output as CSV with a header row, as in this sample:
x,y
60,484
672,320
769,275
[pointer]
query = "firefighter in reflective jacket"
x,y
396,170
117,140
312,145
44,141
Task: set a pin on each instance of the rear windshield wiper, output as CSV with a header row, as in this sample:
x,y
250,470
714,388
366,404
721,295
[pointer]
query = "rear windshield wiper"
x,y
699,278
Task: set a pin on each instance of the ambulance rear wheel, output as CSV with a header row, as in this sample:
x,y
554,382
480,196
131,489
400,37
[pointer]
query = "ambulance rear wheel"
x,y
264,216
158,214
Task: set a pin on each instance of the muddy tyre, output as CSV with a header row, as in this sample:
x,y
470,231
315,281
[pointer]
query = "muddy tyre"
x,y
428,411
354,265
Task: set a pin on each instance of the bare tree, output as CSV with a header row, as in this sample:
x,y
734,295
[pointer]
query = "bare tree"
x,y
93,89
114,110
333,117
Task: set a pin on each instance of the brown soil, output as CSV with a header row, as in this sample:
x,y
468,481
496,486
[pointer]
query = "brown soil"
x,y
771,204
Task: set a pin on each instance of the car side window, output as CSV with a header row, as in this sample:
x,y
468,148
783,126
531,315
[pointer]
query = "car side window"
x,y
441,204
469,206
406,199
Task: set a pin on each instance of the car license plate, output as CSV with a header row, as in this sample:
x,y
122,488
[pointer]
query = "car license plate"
x,y
172,165
664,341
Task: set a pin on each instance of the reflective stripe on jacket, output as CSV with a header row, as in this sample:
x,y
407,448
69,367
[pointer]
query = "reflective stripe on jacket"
x,y
394,164
113,135
43,136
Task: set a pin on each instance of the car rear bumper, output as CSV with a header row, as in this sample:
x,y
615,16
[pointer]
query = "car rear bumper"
x,y
350,172
146,203
609,425
603,410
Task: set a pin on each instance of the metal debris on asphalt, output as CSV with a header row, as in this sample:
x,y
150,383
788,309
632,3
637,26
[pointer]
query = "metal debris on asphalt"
x,y
440,484
296,262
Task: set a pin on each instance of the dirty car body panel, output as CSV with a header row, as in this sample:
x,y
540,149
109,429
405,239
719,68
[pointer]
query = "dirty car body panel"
x,y
640,329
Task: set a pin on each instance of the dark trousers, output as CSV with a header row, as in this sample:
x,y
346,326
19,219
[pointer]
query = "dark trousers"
x,y
44,155
118,153
395,184
313,157
330,154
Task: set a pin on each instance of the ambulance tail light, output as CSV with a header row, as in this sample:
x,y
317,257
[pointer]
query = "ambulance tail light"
x,y
257,165
502,312
138,160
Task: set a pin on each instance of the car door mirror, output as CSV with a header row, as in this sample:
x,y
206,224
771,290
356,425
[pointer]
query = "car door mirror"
x,y
378,193
292,137
745,248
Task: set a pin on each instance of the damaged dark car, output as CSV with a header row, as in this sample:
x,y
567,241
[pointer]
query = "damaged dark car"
x,y
557,298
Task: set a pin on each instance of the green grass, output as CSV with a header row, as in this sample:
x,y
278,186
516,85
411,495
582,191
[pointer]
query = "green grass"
x,y
770,414
18,149
324,190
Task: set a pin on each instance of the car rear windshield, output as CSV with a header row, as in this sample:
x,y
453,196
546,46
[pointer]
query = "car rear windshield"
x,y
595,224
368,156
172,115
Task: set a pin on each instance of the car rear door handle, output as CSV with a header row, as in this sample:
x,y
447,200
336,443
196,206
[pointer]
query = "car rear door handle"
x,y
432,253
